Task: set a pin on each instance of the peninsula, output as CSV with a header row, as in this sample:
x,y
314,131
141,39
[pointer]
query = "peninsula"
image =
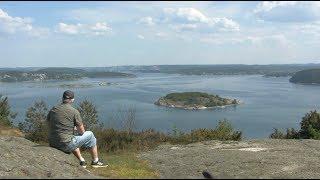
x,y
55,73
308,76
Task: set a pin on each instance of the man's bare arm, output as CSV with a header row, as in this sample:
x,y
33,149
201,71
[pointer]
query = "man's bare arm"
x,y
80,128
78,123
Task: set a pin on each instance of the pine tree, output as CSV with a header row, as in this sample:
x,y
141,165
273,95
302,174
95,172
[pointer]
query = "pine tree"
x,y
35,125
310,125
89,114
6,116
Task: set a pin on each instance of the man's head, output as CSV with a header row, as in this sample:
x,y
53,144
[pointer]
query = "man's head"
x,y
68,97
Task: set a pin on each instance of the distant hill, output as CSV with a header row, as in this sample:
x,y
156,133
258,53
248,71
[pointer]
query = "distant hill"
x,y
272,70
55,73
309,76
107,74
60,70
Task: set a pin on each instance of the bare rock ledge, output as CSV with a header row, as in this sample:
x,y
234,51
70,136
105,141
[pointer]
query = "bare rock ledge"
x,y
21,158
263,158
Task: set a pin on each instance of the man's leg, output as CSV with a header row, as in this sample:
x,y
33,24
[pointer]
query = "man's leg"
x,y
77,153
94,153
91,144
96,162
88,141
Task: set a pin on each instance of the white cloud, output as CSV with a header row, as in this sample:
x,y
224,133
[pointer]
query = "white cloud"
x,y
275,39
288,11
186,15
267,40
40,32
219,40
224,24
269,5
312,29
100,28
161,34
147,21
184,27
141,37
191,19
69,29
12,25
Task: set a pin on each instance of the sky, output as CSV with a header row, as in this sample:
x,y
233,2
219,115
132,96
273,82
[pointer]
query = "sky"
x,y
99,34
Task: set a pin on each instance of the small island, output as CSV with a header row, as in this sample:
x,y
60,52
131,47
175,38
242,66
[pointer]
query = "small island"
x,y
308,76
194,101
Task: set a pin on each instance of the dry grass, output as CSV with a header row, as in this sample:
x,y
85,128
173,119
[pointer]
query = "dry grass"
x,y
8,131
122,165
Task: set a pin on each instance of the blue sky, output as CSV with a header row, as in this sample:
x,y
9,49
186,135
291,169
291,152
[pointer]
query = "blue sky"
x,y
80,34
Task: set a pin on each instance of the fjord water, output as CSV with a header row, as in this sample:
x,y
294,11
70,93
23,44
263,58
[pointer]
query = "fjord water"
x,y
267,102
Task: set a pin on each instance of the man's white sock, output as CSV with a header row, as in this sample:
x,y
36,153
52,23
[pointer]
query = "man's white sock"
x,y
95,159
81,159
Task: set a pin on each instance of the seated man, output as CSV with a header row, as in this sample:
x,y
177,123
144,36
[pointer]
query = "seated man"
x,y
62,120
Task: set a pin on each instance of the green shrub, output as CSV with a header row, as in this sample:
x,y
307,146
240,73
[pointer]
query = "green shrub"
x,y
115,140
290,134
6,116
310,125
277,134
223,132
121,140
310,128
35,125
89,114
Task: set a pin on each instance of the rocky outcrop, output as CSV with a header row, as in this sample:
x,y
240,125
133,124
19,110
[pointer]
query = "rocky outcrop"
x,y
21,158
266,158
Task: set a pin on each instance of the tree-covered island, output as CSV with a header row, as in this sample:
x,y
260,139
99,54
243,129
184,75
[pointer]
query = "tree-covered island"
x,y
194,100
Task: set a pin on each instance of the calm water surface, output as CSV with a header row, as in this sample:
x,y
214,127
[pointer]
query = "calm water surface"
x,y
268,102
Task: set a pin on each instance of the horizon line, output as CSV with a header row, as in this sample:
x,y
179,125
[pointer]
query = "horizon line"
x,y
156,65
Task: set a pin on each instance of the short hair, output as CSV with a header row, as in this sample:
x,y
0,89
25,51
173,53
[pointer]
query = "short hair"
x,y
68,95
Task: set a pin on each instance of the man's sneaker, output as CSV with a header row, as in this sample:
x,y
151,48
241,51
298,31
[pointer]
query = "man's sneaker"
x,y
97,164
83,164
